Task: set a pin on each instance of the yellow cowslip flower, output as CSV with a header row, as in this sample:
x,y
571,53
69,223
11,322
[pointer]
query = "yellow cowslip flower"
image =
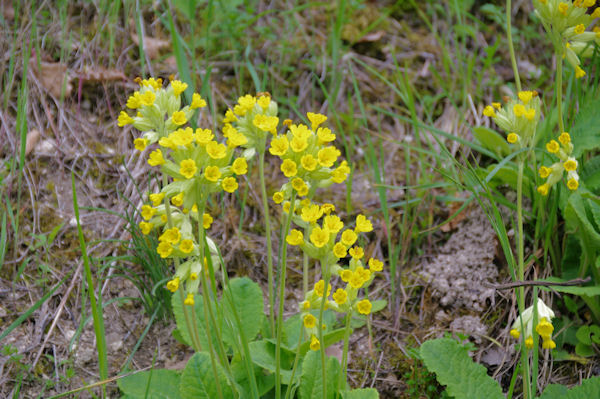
x,y
525,96
197,101
356,281
339,174
206,221
579,73
279,146
309,321
562,8
512,138
266,123
356,252
193,276
289,168
146,227
134,102
364,274
177,200
203,136
188,168
167,142
340,296
498,106
186,246
303,190
564,138
178,87
182,137
298,184
333,223
147,98
308,162
189,300
216,150
544,171
573,184
164,218
327,156
315,119
596,14
246,103
240,166
229,184
295,237
325,136
579,29
315,345
173,285
147,212
339,250
236,139
529,341
212,173
530,114
363,225
346,275
327,208
124,119
548,343
519,110
319,237
164,249
489,111
552,146
319,287
172,235
544,328
515,333
154,83
300,131
286,207
278,197
349,237
229,116
375,265
298,144
543,189
364,307
570,164
179,118
140,144
311,213
264,101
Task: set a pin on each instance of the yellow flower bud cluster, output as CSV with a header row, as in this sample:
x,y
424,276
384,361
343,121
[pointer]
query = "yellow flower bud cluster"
x,y
524,325
254,117
566,23
519,118
566,162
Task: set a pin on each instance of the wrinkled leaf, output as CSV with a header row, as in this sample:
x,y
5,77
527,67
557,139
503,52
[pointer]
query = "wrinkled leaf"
x,y
311,381
198,380
152,384
589,388
244,296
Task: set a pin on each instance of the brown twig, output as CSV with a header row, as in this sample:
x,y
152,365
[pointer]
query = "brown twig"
x,y
539,283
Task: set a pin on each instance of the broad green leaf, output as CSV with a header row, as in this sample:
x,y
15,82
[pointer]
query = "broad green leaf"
x,y
589,388
454,368
576,217
198,310
152,384
584,350
243,296
265,382
198,380
585,133
311,381
491,140
378,305
508,174
368,393
590,173
330,338
263,355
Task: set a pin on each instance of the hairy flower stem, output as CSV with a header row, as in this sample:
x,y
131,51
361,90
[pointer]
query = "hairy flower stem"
x,y
559,88
326,277
344,375
305,269
205,300
192,328
263,192
288,391
511,47
282,272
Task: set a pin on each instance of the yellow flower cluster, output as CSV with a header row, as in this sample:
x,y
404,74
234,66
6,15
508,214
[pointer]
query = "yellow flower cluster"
x,y
567,163
544,328
308,158
253,117
518,118
566,22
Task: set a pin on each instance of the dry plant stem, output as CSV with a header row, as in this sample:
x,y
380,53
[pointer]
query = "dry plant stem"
x,y
282,272
263,192
325,270
205,296
191,326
